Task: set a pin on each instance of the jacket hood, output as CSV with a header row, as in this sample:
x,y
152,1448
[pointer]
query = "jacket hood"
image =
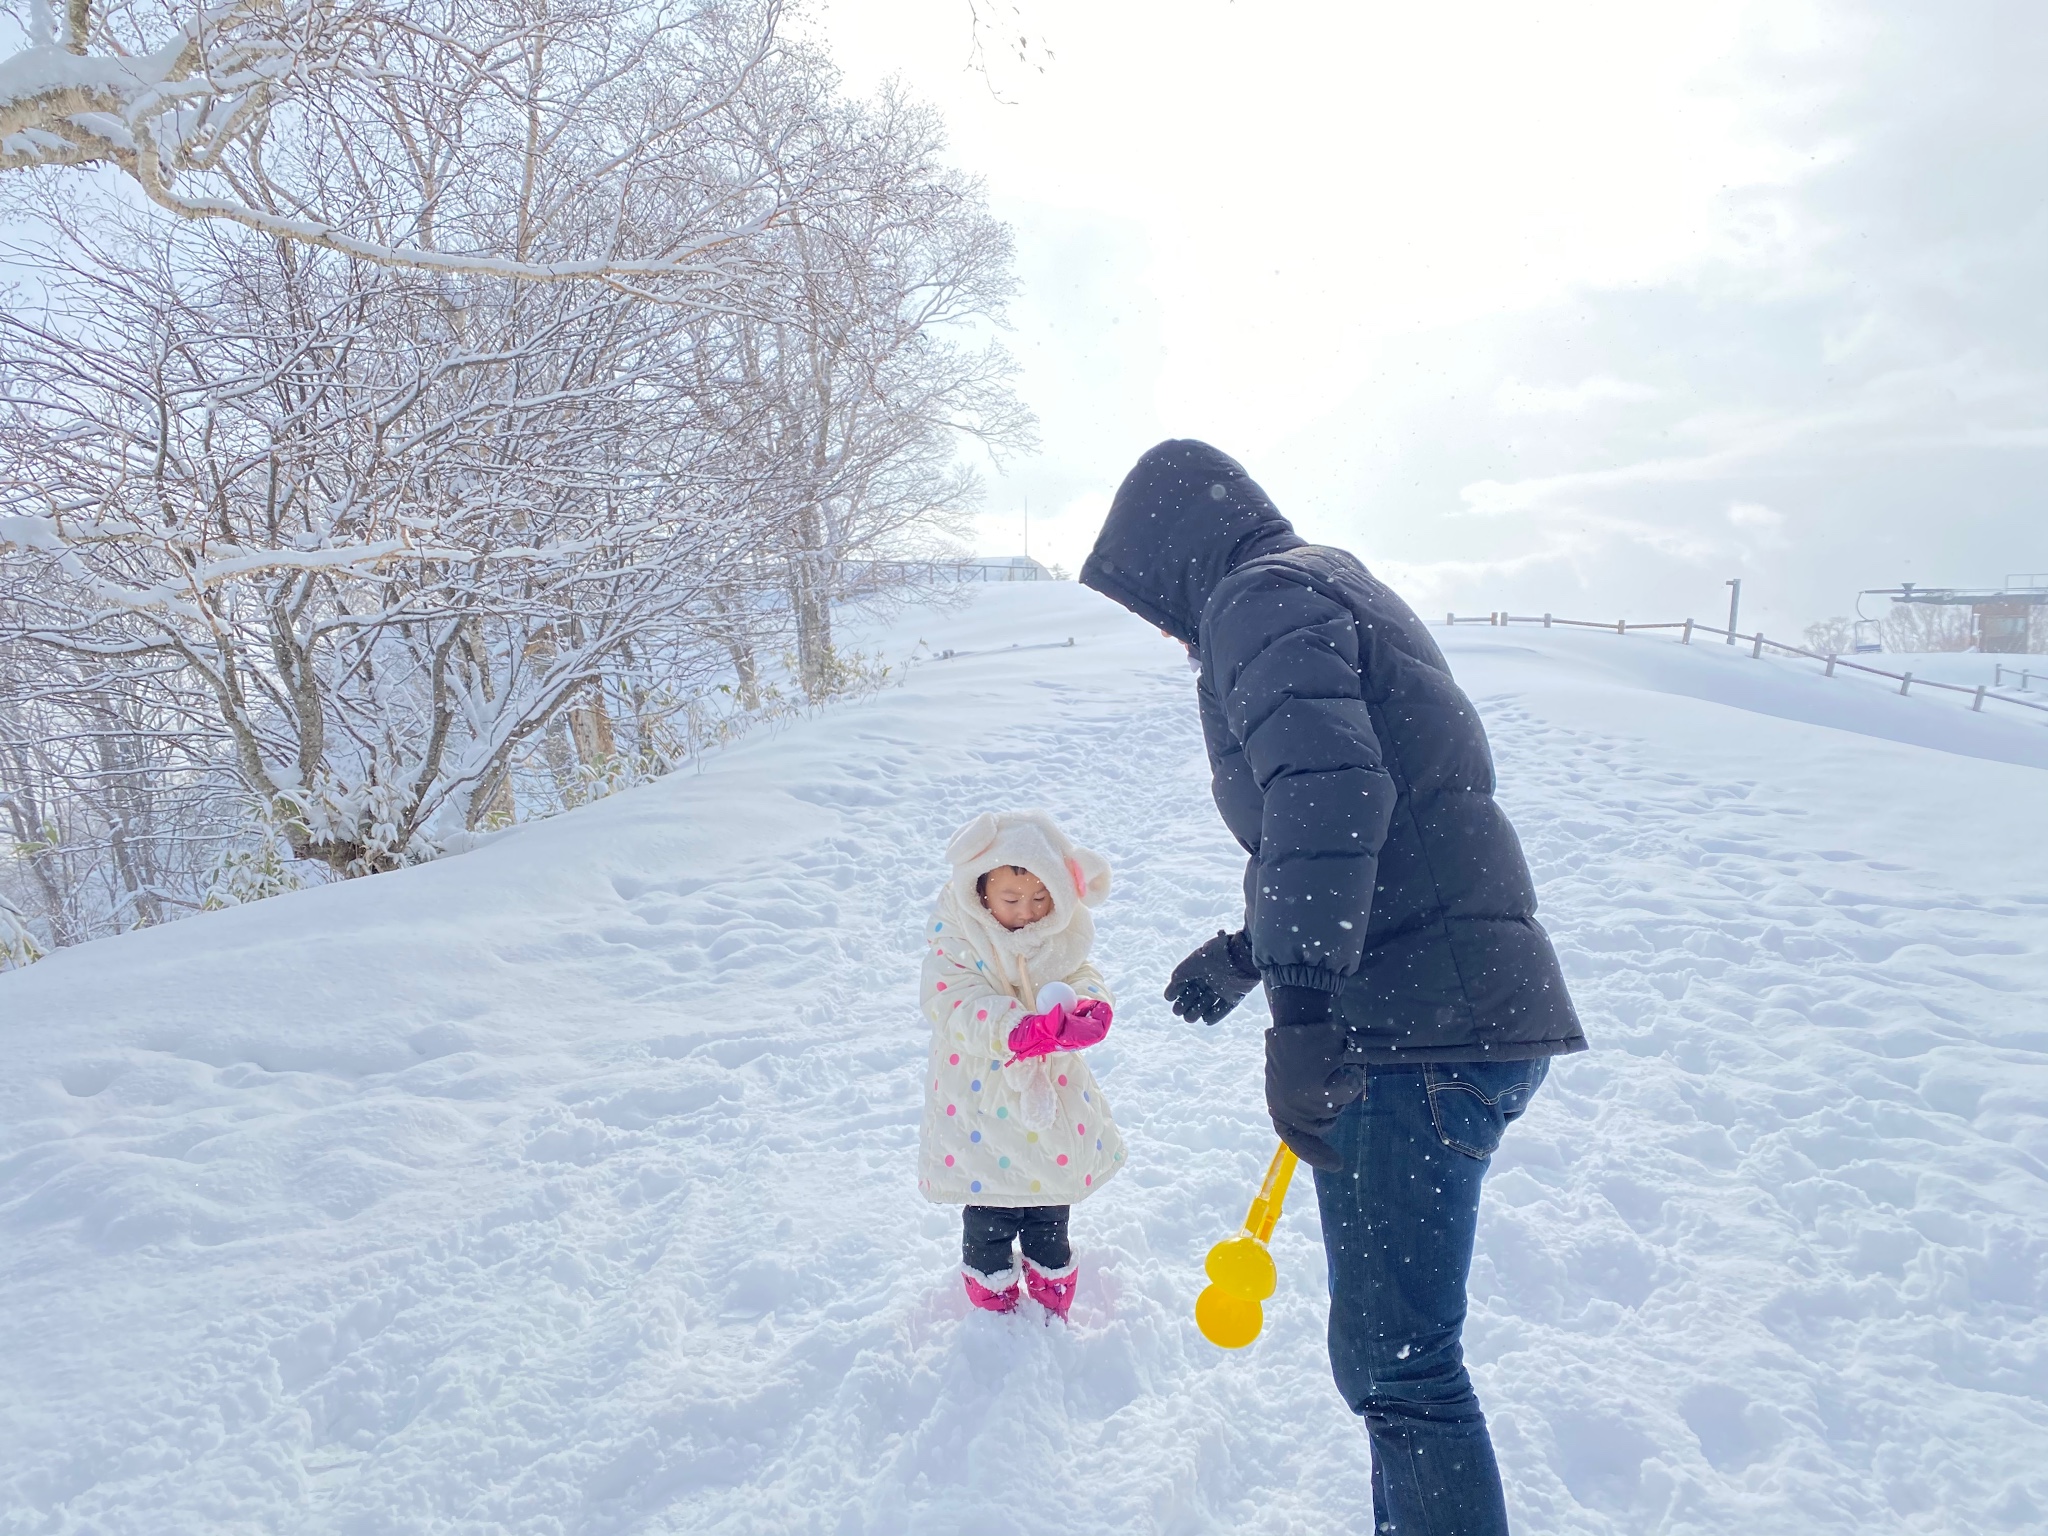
x,y
1074,876
1077,878
1185,517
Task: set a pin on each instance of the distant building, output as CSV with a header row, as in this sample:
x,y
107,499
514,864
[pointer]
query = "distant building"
x,y
2007,626
2010,619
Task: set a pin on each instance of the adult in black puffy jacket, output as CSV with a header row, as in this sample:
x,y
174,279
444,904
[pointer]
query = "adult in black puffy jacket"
x,y
1390,914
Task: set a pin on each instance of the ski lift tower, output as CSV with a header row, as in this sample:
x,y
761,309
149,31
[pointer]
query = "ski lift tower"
x,y
2006,620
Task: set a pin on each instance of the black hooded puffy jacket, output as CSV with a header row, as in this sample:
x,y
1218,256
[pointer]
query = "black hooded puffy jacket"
x,y
1348,764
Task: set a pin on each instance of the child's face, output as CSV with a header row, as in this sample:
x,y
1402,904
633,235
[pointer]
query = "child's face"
x,y
1015,897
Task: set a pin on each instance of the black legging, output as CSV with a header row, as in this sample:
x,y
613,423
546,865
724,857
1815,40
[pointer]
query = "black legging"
x,y
989,1230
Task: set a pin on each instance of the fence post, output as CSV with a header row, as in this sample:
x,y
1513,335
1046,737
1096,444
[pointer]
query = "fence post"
x,y
1621,626
1546,621
1758,648
1450,619
1905,683
1978,702
1997,675
1686,638
1831,666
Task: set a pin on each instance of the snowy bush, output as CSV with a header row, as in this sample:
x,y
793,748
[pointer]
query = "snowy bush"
x,y
18,946
253,868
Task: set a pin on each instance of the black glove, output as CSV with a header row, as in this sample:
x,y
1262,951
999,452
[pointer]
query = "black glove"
x,y
1214,979
1308,1081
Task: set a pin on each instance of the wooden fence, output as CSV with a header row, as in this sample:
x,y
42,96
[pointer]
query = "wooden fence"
x,y
1758,643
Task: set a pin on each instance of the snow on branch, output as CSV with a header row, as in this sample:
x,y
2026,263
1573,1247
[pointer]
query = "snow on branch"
x,y
538,140
319,556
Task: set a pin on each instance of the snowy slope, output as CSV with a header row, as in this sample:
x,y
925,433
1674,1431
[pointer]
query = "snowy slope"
x,y
567,1186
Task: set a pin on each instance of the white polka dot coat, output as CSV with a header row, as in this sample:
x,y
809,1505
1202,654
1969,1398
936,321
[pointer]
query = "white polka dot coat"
x,y
979,981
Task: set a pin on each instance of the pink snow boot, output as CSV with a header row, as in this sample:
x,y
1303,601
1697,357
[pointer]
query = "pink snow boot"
x,y
992,1293
1052,1289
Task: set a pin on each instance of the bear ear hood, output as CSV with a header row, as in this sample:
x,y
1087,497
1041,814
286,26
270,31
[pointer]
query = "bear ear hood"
x,y
1076,876
1186,516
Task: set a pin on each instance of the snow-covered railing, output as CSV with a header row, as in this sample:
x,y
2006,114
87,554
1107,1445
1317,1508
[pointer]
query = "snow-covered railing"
x,y
1759,643
967,570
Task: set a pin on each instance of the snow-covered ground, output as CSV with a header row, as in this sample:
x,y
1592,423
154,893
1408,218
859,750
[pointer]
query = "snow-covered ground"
x,y
567,1186
2021,677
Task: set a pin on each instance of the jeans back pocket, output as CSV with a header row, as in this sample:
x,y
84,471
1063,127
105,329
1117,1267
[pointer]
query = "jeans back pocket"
x,y
1471,1102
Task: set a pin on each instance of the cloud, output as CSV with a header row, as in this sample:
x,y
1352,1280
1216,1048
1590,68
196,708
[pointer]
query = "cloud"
x,y
1754,514
1758,527
1523,304
1518,399
1847,388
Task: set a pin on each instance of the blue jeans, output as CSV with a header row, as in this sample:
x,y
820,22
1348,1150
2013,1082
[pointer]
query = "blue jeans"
x,y
1398,1224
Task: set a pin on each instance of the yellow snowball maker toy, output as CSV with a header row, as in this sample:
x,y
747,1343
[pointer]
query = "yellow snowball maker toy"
x,y
1229,1312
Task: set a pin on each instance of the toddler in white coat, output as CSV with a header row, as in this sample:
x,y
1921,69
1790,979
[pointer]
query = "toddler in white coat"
x,y
1015,1126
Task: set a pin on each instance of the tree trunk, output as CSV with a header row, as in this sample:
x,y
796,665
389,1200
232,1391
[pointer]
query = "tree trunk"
x,y
737,636
591,726
127,807
811,591
491,805
561,759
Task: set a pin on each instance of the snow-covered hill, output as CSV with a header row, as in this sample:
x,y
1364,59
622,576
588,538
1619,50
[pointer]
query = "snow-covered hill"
x,y
567,1186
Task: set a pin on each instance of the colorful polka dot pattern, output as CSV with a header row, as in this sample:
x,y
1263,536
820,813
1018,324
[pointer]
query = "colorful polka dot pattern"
x,y
997,1157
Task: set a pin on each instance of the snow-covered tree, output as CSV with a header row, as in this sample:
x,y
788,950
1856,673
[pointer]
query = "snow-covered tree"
x,y
386,523
874,359
310,550
437,135
1929,627
95,794
1832,637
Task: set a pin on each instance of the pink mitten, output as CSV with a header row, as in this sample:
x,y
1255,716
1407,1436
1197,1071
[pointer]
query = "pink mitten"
x,y
1060,1028
1086,1023
1037,1035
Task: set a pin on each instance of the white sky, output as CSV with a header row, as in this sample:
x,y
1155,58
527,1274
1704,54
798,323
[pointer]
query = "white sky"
x,y
1583,307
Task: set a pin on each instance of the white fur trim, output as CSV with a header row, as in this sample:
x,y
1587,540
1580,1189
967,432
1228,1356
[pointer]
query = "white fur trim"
x,y
973,840
1091,872
1033,841
1055,945
1077,878
998,1283
1038,1102
1032,1266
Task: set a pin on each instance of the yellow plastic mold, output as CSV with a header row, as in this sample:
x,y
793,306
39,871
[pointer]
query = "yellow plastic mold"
x,y
1230,1311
